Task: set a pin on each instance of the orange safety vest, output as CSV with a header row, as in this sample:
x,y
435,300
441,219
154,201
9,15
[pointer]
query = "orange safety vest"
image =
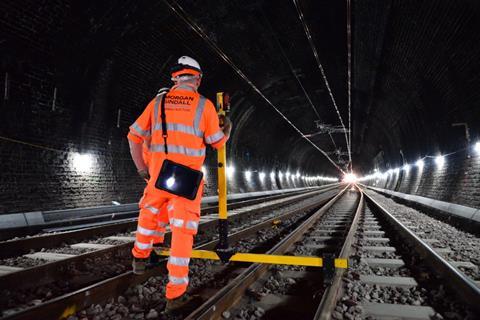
x,y
192,122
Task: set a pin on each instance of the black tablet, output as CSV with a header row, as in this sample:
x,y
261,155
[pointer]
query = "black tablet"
x,y
179,180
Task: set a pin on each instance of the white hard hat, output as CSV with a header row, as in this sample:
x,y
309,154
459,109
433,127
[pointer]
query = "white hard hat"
x,y
186,65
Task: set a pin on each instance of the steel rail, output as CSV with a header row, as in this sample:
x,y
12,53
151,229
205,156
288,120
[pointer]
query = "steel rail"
x,y
57,269
455,279
17,247
235,290
67,304
329,298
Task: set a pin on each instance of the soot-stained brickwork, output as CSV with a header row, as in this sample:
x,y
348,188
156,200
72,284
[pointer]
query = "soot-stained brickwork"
x,y
73,80
457,181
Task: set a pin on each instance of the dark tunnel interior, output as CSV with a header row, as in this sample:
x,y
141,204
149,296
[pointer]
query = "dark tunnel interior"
x,y
76,74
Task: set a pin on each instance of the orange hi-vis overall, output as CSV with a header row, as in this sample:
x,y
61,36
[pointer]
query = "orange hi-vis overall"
x,y
192,122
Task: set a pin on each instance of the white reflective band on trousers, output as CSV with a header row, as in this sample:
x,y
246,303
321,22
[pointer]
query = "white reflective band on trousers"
x,y
181,262
193,225
149,232
176,222
178,280
152,209
143,246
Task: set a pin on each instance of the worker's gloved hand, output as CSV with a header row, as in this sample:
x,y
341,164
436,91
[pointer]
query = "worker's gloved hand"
x,y
144,174
225,125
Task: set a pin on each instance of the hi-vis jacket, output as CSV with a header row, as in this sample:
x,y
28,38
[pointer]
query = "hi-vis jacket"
x,y
192,122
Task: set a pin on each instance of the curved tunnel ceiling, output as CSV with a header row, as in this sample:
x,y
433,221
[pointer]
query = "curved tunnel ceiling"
x,y
415,70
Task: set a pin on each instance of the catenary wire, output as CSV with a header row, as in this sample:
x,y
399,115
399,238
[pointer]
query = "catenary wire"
x,y
178,10
322,71
349,75
307,96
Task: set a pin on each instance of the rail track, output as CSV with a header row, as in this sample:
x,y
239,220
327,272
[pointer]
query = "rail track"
x,y
36,286
392,272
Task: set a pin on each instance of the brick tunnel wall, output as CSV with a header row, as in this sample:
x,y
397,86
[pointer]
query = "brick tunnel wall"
x,y
457,181
59,102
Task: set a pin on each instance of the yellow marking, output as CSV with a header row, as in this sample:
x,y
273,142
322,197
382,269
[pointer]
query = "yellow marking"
x,y
278,221
222,166
68,312
264,258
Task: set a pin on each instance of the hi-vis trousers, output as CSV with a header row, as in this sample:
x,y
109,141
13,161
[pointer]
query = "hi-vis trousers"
x,y
157,210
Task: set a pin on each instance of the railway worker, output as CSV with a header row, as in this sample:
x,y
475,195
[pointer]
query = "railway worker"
x,y
190,122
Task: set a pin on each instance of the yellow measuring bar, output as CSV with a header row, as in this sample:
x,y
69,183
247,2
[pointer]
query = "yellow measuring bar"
x,y
222,166
264,258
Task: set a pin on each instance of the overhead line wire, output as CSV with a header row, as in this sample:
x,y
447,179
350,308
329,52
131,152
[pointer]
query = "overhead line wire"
x,y
296,76
322,71
349,76
178,10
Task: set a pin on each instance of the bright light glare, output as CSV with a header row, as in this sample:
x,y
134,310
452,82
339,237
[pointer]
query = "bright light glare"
x,y
477,147
350,178
272,175
287,174
440,161
261,175
82,162
420,163
406,167
230,171
298,174
248,174
170,182
280,174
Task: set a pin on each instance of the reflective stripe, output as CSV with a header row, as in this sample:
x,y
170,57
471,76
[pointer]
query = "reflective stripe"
x,y
176,222
185,87
178,280
152,209
178,127
170,207
162,224
149,232
178,149
214,137
137,129
198,114
143,246
193,225
181,262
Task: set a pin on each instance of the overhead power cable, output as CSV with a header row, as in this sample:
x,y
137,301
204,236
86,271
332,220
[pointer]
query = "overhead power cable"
x,y
178,10
349,75
307,96
322,71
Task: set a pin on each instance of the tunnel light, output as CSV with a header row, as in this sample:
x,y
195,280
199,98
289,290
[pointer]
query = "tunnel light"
x,y
230,171
406,167
272,175
287,175
248,175
280,174
477,147
350,178
420,163
261,175
298,174
397,170
440,161
82,162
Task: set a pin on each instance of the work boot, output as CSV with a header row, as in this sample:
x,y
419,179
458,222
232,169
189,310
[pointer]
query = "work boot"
x,y
185,303
139,265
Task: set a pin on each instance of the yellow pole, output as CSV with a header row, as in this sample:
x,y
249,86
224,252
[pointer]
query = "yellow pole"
x,y
222,166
